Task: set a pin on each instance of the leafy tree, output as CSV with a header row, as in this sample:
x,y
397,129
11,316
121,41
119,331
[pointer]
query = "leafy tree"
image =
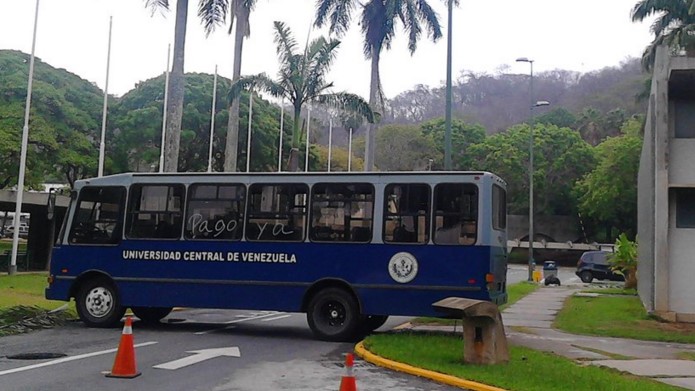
x,y
623,260
64,122
302,80
561,157
674,26
405,148
213,12
560,117
608,194
463,135
378,23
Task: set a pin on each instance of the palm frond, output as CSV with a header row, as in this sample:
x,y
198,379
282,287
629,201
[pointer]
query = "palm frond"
x,y
339,12
212,13
348,102
431,19
285,42
157,5
260,82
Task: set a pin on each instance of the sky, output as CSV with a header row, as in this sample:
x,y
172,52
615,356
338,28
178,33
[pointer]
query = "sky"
x,y
488,35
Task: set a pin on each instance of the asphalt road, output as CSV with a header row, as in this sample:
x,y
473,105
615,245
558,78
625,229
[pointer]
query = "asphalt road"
x,y
276,352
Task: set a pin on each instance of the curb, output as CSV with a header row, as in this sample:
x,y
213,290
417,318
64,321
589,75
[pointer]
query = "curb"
x,y
368,356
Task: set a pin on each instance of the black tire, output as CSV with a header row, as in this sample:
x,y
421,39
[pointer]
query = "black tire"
x,y
333,315
98,303
372,322
151,315
586,276
547,281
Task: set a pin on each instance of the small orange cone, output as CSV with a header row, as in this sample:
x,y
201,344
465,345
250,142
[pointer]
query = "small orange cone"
x,y
348,381
124,366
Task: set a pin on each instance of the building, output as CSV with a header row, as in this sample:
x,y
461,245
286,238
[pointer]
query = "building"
x,y
666,191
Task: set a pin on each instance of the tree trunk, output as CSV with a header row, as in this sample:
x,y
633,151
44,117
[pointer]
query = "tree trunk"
x,y
231,150
293,162
176,90
374,103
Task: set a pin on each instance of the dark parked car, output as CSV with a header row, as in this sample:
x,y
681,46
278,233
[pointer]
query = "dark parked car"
x,y
593,264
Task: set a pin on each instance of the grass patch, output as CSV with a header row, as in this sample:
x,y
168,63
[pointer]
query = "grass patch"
x,y
514,293
686,356
26,290
619,316
527,370
612,356
22,319
6,245
612,291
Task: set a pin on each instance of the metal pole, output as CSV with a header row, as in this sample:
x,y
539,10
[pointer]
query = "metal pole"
x,y
248,133
330,142
350,151
164,111
531,260
23,154
282,123
106,100
212,118
447,132
306,149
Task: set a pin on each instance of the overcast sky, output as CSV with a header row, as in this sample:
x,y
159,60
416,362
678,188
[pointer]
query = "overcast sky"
x,y
488,34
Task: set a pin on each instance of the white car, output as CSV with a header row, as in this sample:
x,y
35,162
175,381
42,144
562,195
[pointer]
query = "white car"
x,y
23,230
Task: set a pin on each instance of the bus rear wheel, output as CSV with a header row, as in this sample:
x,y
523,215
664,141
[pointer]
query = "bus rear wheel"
x,y
151,315
333,315
98,304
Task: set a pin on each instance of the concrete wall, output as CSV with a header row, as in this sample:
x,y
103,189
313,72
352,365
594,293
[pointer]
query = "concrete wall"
x,y
559,228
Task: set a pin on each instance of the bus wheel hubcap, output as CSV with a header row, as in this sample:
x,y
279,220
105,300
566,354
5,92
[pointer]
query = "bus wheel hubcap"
x,y
99,302
336,314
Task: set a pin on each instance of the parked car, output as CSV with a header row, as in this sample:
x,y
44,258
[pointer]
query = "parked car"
x,y
594,264
23,230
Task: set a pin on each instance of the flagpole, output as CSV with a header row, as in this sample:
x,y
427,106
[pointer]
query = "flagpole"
x,y
23,154
282,123
306,149
106,103
164,111
248,133
212,118
350,151
330,141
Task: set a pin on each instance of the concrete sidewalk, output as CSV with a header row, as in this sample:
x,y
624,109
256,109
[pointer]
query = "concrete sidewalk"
x,y
528,322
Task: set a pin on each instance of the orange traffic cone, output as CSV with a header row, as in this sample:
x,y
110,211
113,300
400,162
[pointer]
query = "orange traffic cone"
x,y
124,366
348,381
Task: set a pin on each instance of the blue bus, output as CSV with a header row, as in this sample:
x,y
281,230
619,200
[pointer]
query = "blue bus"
x,y
347,249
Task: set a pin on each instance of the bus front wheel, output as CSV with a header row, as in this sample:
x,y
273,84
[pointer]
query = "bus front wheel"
x,y
98,304
151,315
333,315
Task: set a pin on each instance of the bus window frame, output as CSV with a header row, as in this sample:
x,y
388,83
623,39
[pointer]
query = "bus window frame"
x,y
248,215
440,213
130,213
242,209
386,215
116,233
311,227
498,207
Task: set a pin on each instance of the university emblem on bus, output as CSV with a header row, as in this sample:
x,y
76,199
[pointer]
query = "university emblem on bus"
x,y
403,267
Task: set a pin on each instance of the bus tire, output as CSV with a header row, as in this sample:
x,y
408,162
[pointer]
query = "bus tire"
x,y
98,304
372,322
151,315
333,315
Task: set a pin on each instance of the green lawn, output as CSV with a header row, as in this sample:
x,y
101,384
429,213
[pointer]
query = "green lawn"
x,y
25,289
527,370
619,316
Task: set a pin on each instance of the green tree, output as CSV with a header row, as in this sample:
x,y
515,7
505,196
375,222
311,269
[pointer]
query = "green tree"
x,y
674,26
378,22
302,80
560,117
561,157
463,135
405,148
624,260
213,12
608,194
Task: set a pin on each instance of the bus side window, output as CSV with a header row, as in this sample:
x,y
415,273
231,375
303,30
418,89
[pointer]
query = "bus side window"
x,y
341,212
215,212
276,212
406,213
98,216
154,212
456,213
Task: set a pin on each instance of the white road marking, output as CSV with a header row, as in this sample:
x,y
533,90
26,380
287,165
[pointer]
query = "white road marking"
x,y
275,318
238,321
68,359
199,356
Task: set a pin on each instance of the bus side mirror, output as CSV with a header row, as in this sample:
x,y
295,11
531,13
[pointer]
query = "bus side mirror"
x,y
50,207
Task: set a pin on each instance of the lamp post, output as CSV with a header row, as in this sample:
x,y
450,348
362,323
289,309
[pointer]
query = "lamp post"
x,y
534,104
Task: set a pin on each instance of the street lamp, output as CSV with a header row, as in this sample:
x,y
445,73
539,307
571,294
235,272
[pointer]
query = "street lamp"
x,y
534,104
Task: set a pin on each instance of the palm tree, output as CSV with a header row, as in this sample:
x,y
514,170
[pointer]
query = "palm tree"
x,y
378,23
674,26
302,80
176,82
213,12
